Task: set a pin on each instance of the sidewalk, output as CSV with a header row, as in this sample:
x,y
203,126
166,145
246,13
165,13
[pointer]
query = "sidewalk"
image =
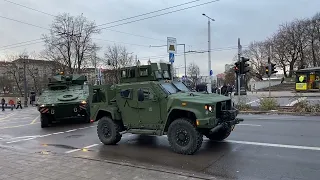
x,y
283,94
46,166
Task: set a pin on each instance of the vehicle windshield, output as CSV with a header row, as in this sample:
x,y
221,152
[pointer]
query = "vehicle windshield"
x,y
181,86
170,88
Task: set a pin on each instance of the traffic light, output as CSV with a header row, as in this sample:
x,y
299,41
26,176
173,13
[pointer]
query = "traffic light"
x,y
273,68
236,67
267,70
244,67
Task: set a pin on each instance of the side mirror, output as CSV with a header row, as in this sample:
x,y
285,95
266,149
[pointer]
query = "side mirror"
x,y
140,95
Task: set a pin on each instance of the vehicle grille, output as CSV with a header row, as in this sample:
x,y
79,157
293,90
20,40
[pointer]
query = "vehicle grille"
x,y
222,107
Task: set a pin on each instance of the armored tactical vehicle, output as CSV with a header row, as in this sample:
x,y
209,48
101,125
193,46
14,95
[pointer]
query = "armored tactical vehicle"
x,y
148,102
65,98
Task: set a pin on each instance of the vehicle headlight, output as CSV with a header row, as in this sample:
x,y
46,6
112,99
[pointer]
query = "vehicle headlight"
x,y
83,102
209,108
42,105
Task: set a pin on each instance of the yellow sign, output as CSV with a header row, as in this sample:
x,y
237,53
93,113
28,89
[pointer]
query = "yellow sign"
x,y
301,86
301,78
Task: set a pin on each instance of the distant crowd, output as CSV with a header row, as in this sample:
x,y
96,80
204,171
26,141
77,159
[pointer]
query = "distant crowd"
x,y
226,89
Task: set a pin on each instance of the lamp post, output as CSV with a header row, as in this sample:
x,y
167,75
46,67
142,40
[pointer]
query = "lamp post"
x,y
209,88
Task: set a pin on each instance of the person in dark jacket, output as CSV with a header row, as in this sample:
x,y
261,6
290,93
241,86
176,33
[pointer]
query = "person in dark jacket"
x,y
19,104
224,89
3,102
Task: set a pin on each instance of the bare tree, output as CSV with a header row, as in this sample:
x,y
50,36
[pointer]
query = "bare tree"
x,y
257,52
193,72
118,57
70,41
230,77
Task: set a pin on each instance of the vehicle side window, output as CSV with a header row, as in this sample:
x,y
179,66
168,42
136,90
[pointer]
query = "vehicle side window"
x,y
98,96
126,93
148,94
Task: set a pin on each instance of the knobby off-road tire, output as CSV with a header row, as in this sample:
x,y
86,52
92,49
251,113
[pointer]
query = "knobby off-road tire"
x,y
220,135
183,137
108,131
44,120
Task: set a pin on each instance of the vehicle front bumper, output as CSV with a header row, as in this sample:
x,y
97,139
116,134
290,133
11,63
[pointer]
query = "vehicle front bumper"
x,y
65,111
227,117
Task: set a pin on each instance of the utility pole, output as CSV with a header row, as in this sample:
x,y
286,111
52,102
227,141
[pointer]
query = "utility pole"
x,y
209,88
25,81
239,60
270,70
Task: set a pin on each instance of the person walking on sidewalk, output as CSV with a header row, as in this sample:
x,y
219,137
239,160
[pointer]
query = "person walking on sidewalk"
x,y
3,101
19,104
11,103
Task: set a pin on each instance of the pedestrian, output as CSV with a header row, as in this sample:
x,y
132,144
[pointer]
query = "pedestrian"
x,y
19,104
3,102
11,103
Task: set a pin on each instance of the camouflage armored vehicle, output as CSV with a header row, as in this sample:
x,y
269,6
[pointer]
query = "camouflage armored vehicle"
x,y
65,98
148,102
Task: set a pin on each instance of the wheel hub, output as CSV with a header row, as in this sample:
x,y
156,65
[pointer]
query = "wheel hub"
x,y
106,131
182,137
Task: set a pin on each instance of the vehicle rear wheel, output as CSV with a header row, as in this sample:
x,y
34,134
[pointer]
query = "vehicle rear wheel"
x,y
184,137
221,134
44,120
108,131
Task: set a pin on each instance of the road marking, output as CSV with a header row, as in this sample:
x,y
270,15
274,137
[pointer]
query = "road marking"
x,y
40,136
33,121
71,130
57,133
296,101
6,117
84,148
9,127
21,140
93,145
274,145
249,125
71,151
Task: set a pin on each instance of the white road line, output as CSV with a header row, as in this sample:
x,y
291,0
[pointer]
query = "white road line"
x,y
22,137
71,151
274,145
257,125
57,133
296,101
71,130
87,147
93,145
40,136
20,140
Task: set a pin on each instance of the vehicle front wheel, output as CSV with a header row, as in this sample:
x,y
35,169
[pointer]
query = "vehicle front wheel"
x,y
221,134
108,131
184,137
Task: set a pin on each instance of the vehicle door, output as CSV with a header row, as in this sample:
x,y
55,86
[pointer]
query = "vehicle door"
x,y
97,99
149,108
128,104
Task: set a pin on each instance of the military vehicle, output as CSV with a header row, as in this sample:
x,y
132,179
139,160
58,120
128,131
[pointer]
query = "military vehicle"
x,y
65,98
148,102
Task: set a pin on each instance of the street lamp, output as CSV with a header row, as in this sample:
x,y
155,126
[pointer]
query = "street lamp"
x,y
209,53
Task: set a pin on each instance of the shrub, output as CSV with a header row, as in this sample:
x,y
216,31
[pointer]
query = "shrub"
x,y
305,106
267,104
242,104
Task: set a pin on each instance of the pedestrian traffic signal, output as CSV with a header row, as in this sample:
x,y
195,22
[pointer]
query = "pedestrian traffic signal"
x,y
273,68
236,67
244,66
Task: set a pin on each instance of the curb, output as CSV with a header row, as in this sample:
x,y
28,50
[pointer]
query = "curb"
x,y
280,112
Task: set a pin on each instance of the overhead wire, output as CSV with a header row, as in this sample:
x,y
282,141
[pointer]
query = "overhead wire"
x,y
117,20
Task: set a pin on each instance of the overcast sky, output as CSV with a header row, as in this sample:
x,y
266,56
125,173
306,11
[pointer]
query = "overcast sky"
x,y
251,20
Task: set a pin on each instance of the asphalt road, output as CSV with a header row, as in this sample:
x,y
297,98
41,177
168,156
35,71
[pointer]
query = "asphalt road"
x,y
286,101
262,147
